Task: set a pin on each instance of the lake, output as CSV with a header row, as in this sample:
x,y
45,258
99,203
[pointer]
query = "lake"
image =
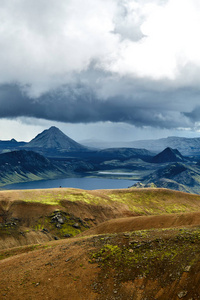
x,y
80,183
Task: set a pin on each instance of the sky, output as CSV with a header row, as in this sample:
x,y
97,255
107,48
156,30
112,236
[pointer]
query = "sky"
x,y
113,70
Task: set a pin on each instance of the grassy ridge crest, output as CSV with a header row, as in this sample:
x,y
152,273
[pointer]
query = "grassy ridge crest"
x,y
141,201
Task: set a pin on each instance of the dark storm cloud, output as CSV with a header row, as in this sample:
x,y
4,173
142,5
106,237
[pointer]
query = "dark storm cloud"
x,y
81,104
88,61
194,115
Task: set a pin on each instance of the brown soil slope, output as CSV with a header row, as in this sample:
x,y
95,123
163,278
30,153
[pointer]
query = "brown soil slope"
x,y
26,216
125,264
29,206
146,222
27,221
141,265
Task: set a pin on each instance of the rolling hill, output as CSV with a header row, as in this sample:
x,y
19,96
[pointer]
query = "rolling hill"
x,y
23,165
119,254
32,216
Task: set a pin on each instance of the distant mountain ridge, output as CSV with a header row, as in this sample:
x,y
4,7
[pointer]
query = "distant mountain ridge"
x,y
11,144
54,139
125,153
187,146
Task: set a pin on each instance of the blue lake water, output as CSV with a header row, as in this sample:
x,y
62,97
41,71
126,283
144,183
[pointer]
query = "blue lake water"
x,y
81,183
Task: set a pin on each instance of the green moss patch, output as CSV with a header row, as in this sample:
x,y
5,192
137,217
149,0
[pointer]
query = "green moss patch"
x,y
161,255
61,224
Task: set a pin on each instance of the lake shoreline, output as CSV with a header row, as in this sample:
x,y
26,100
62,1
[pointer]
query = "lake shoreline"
x,y
87,183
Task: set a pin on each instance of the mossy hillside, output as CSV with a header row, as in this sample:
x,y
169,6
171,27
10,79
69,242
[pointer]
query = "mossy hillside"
x,y
141,201
155,201
69,225
159,255
52,196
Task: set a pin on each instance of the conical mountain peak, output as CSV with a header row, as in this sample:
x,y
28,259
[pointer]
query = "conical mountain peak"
x,y
54,138
168,155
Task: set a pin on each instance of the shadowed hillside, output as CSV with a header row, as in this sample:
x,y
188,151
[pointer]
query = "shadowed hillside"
x,y
22,165
176,176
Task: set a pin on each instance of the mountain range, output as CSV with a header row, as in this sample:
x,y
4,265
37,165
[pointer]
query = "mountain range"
x,y
52,154
54,140
187,146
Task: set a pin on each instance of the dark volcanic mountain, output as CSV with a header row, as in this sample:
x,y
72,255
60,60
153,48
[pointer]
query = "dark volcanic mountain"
x,y
54,138
176,176
168,155
19,166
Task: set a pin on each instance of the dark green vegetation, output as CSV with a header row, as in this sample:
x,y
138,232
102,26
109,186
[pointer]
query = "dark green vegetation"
x,y
124,154
60,156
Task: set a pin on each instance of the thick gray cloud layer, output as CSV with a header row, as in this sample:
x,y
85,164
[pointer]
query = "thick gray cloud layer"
x,y
81,104
86,61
